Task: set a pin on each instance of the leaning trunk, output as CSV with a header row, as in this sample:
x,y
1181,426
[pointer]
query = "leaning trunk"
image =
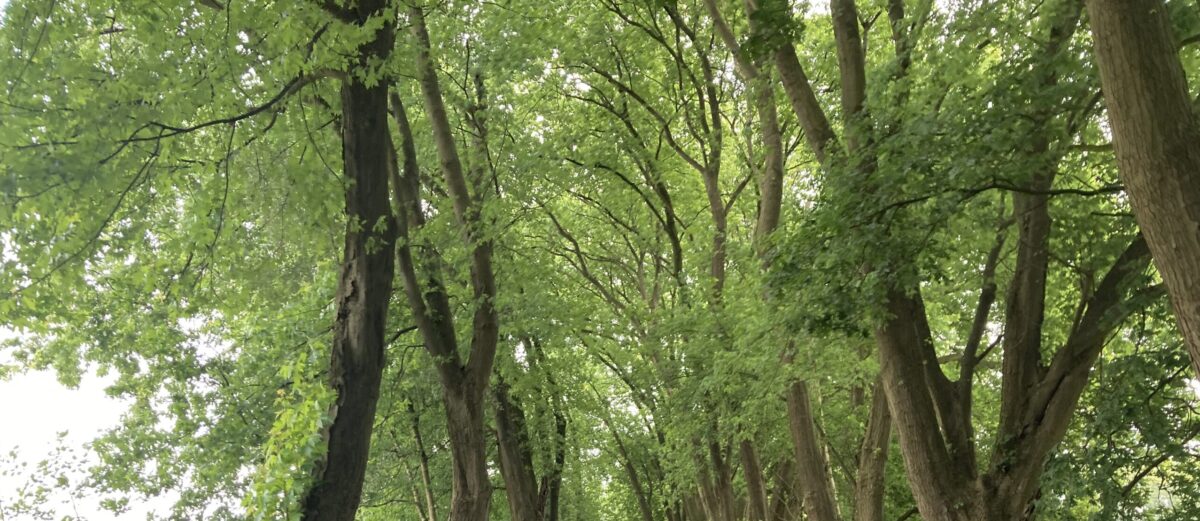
x,y
810,458
1155,133
755,490
516,460
363,291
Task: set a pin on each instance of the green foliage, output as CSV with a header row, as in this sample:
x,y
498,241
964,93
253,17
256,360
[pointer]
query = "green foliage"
x,y
172,213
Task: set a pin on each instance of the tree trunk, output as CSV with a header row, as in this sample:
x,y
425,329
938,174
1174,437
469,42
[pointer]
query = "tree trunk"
x,y
471,490
516,460
463,383
423,460
872,460
363,291
943,489
1155,135
810,458
755,489
786,498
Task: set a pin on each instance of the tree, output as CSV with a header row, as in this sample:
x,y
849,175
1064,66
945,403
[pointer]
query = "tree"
x,y
665,261
1154,132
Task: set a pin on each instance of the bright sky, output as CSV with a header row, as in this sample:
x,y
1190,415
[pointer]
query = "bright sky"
x,y
35,409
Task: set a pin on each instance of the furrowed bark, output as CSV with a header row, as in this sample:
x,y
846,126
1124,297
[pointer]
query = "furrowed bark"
x,y
941,487
1017,463
1155,132
1025,308
364,288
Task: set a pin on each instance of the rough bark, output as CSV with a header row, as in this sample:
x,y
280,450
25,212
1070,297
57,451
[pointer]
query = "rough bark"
x,y
942,490
1025,307
1016,468
1155,133
363,291
471,490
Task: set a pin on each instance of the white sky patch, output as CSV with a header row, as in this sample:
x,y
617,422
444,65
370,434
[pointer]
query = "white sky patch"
x,y
36,409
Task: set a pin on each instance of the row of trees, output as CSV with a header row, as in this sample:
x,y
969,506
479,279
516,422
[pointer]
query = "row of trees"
x,y
651,260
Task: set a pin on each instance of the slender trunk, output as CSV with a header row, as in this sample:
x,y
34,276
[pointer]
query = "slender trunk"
x,y
516,461
463,384
1155,133
363,291
552,483
423,460
693,508
786,499
722,491
810,458
755,489
872,460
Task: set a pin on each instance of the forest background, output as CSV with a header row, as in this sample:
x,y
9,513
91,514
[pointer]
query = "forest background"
x,y
654,260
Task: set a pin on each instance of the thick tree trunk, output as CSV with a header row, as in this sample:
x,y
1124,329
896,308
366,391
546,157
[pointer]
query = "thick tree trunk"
x,y
471,490
1155,134
363,291
943,489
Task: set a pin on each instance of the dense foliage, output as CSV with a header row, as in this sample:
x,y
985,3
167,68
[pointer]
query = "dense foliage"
x,y
654,259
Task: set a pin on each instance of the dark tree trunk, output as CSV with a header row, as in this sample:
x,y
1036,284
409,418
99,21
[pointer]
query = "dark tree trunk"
x,y
786,497
516,459
1155,134
363,291
755,488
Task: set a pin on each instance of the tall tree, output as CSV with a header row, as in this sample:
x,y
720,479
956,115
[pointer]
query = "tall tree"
x,y
464,383
365,286
1155,131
